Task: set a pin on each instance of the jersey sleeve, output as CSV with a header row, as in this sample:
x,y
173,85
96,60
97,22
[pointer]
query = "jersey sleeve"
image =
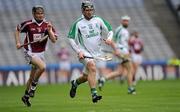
x,y
22,27
73,31
73,37
105,25
117,34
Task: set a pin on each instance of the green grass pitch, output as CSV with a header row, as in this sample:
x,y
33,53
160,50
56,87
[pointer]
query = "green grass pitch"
x,y
152,96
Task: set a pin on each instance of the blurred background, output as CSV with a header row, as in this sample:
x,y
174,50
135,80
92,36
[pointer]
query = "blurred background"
x,y
157,21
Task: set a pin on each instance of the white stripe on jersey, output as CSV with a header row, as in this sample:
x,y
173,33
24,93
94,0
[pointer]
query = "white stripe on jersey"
x,y
22,27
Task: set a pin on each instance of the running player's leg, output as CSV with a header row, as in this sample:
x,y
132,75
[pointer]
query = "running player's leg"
x,y
135,67
31,78
26,95
91,66
89,74
123,57
136,60
75,83
118,71
40,64
129,69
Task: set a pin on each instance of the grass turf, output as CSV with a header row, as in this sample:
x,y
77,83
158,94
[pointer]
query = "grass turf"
x,y
152,96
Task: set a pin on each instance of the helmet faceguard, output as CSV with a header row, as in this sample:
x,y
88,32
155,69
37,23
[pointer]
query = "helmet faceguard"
x,y
38,13
37,7
87,4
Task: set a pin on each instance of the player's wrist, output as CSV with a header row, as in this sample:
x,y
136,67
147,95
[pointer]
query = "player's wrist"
x,y
50,31
79,52
18,43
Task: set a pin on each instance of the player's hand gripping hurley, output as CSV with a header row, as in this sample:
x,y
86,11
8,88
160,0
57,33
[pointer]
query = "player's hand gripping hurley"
x,y
103,57
115,52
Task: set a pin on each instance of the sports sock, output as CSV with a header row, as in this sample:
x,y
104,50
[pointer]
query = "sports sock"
x,y
103,79
26,94
93,91
33,85
76,82
130,88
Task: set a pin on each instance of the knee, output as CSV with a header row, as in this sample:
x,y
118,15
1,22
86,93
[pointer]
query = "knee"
x,y
42,68
91,66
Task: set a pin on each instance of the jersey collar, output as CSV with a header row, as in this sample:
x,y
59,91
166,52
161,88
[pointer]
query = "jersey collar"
x,y
39,24
84,17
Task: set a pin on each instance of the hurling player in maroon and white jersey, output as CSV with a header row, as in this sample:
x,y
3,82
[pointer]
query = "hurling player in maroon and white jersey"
x,y
35,29
136,49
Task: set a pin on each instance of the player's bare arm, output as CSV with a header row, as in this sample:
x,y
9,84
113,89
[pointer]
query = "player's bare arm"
x,y
17,39
52,36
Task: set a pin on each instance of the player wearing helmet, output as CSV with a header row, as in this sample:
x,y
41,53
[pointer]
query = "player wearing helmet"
x,y
120,44
35,29
85,37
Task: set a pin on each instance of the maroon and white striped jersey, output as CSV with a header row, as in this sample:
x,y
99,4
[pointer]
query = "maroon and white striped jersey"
x,y
34,31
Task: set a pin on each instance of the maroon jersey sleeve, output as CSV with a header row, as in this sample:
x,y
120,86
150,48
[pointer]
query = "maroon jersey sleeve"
x,y
22,27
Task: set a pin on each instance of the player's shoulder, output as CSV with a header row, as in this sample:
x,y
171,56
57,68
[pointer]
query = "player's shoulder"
x,y
27,21
100,19
46,21
75,23
119,28
97,17
78,20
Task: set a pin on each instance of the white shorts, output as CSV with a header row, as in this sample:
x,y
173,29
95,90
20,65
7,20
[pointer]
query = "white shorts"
x,y
84,62
99,64
28,56
137,58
